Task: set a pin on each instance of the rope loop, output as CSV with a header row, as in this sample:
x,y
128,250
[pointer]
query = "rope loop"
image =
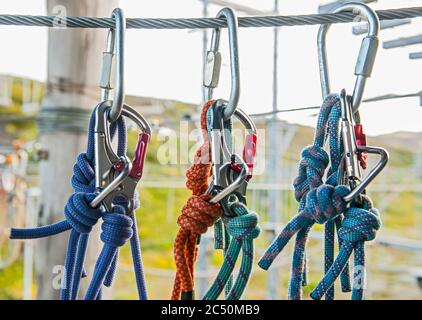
x,y
311,170
83,174
325,203
79,214
360,224
116,227
244,225
198,214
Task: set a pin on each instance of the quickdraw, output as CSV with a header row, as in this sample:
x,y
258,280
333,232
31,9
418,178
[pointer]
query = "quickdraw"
x,y
222,202
360,220
105,187
238,226
333,203
111,197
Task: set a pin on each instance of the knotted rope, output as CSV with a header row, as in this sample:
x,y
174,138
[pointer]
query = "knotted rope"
x,y
235,230
196,216
81,217
318,202
117,228
359,225
242,229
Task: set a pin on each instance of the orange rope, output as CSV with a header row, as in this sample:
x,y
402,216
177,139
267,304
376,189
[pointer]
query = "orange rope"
x,y
196,216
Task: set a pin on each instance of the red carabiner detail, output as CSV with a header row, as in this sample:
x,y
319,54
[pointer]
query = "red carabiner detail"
x,y
361,141
140,154
248,154
139,158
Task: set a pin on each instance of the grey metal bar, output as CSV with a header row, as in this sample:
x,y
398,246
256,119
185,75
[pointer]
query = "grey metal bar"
x,y
330,7
415,55
402,42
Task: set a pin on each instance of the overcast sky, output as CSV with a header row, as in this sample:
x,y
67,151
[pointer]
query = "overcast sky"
x,y
168,63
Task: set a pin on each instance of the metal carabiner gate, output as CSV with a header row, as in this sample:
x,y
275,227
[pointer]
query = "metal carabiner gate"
x,y
213,62
115,46
116,175
366,57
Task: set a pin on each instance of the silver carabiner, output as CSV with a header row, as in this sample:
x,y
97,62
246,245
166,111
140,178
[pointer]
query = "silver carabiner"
x,y
213,62
351,161
231,172
236,184
115,46
366,57
116,175
220,153
351,150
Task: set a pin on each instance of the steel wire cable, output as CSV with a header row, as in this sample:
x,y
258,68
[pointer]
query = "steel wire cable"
x,y
202,23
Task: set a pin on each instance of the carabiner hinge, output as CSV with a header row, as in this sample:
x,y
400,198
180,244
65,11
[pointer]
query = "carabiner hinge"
x,y
361,142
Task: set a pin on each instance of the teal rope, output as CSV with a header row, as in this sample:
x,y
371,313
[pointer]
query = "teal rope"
x,y
318,202
243,229
359,225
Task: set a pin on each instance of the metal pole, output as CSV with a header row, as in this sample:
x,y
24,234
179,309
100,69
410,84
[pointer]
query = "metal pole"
x,y
32,207
415,55
330,7
402,42
273,195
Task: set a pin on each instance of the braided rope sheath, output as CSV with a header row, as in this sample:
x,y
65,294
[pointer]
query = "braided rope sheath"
x,y
116,230
359,225
243,229
202,23
196,216
318,202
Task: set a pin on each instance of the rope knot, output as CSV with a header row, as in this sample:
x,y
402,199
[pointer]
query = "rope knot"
x,y
80,215
244,225
117,227
360,224
325,203
311,170
83,174
198,214
197,175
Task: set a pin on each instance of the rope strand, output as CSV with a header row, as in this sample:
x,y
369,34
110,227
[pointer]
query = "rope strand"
x,y
197,215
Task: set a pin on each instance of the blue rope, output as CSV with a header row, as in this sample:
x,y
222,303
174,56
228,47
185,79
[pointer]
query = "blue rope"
x,y
318,202
116,230
80,218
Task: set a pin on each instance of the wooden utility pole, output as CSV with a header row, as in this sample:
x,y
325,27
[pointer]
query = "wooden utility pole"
x,y
74,59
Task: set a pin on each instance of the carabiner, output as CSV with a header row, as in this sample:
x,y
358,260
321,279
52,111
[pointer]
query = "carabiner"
x,y
366,57
233,186
231,173
113,175
352,150
351,160
115,46
213,62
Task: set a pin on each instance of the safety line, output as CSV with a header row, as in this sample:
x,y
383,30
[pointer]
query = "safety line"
x,y
202,23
